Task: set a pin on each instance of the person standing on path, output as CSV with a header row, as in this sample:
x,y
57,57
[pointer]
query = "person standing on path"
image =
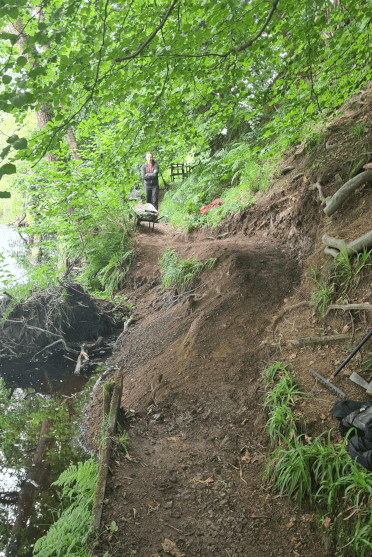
x,y
150,175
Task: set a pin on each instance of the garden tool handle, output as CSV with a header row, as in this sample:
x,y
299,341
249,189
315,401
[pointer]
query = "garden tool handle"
x,y
351,355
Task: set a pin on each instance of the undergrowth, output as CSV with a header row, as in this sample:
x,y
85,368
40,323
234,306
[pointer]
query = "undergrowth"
x,y
233,174
109,256
180,272
69,534
341,280
317,470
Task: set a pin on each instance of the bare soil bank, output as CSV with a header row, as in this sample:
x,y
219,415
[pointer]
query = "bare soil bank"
x,y
192,372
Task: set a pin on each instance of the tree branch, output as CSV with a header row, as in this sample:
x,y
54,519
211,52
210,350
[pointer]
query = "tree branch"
x,y
131,56
249,43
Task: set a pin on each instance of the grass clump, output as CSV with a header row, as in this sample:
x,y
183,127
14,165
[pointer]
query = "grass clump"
x,y
312,470
180,272
357,131
318,470
271,371
282,423
343,278
69,534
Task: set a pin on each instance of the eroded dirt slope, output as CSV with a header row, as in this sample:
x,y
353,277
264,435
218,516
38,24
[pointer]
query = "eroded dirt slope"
x,y
192,383
192,482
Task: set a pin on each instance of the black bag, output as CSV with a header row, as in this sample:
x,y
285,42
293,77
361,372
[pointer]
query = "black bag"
x,y
357,416
361,419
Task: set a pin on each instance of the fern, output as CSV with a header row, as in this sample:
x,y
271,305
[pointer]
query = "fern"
x,y
69,534
109,256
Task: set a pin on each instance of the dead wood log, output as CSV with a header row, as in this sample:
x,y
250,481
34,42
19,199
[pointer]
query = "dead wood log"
x,y
350,248
346,190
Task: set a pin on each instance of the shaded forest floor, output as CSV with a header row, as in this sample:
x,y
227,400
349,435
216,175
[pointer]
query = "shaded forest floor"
x,y
193,390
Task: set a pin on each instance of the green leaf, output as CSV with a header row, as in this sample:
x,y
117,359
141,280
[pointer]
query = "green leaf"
x,y
5,152
21,61
8,37
19,100
12,139
7,169
6,79
20,143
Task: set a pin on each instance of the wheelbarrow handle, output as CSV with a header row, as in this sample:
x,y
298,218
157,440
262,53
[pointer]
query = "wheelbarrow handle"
x,y
352,354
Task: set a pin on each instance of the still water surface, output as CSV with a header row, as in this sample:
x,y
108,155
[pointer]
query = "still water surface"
x,y
37,466
11,243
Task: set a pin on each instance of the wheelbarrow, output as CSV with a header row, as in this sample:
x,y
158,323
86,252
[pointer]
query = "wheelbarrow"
x,y
146,213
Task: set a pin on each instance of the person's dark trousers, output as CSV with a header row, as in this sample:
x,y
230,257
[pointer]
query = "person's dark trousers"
x,y
152,193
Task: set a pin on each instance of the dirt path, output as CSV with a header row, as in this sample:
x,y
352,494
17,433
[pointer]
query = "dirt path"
x,y
192,385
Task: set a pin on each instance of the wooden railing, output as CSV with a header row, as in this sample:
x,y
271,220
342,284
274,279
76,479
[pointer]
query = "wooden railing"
x,y
182,171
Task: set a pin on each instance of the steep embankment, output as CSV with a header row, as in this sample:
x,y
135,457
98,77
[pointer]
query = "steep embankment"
x,y
192,364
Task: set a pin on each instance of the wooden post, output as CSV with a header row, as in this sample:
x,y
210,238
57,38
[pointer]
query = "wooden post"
x,y
105,452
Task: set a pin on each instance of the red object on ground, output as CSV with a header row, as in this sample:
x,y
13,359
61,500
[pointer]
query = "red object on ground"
x,y
215,203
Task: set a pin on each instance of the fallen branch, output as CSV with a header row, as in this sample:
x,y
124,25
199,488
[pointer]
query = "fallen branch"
x,y
348,307
346,190
350,248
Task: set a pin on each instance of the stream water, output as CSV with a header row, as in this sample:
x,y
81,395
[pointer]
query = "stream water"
x,y
39,422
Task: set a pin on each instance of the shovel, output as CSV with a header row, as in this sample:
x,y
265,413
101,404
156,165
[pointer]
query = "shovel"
x,y
327,382
361,382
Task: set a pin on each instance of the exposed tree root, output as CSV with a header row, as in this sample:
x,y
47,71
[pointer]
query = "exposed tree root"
x,y
321,197
346,190
348,307
277,318
64,315
61,340
320,339
335,246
